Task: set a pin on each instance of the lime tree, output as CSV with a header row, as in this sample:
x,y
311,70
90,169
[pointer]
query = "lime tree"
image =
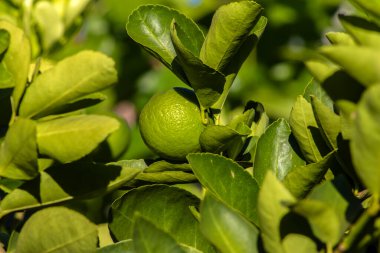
x,y
170,124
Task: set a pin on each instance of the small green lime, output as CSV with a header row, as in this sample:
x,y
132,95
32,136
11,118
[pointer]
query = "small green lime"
x,y
170,124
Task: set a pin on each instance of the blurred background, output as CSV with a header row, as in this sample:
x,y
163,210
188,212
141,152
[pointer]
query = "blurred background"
x,y
274,74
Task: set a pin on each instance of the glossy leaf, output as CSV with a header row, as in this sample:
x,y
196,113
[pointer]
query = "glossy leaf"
x,y
217,138
228,181
147,238
364,56
65,182
57,229
166,207
365,140
328,122
16,61
69,138
275,151
305,129
230,27
18,152
49,24
226,228
72,78
340,38
149,26
271,209
303,178
207,82
119,247
365,32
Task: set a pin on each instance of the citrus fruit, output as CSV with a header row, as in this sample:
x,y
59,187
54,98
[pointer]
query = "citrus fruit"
x,y
170,124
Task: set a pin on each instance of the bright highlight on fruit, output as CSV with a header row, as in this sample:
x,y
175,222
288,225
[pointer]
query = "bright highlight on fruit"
x,y
170,124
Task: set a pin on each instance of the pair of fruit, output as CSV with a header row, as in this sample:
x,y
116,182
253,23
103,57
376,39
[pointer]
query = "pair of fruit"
x,y
170,124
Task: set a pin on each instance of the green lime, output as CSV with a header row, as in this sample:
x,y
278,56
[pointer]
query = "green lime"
x,y
170,124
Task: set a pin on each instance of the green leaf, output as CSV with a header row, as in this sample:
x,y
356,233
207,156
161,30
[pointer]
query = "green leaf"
x,y
73,10
366,64
275,151
328,122
340,38
371,8
125,246
347,111
302,243
323,220
216,138
365,32
163,165
166,207
12,243
365,141
231,25
18,152
302,179
316,90
305,129
228,181
226,228
65,182
69,138
57,229
49,24
149,26
72,78
147,238
167,177
207,82
4,40
272,210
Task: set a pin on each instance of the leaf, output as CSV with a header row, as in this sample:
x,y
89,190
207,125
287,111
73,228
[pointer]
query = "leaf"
x,y
65,182
217,138
4,40
272,210
57,229
167,177
72,78
302,179
147,238
49,24
328,122
275,152
228,181
70,138
322,218
18,152
73,10
371,8
125,246
302,243
365,32
340,38
230,27
365,141
305,129
316,90
166,207
207,82
226,228
347,112
149,26
366,64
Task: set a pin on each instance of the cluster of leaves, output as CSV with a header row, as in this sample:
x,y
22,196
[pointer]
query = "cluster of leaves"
x,y
309,184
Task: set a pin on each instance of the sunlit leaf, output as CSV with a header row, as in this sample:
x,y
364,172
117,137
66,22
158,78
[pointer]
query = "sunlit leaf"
x,y
365,32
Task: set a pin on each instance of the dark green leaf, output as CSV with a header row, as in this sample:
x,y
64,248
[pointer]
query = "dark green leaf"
x,y
231,26
18,152
65,182
365,32
167,177
365,141
227,229
166,207
147,238
69,138
216,138
302,179
271,209
57,229
228,181
275,152
72,78
207,83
